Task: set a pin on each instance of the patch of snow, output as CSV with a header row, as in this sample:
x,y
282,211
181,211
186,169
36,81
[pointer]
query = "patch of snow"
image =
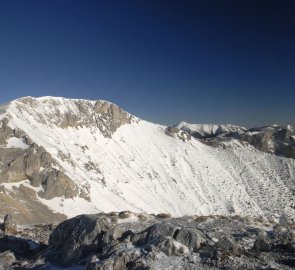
x,y
16,185
178,246
215,240
290,127
254,132
69,207
237,143
14,142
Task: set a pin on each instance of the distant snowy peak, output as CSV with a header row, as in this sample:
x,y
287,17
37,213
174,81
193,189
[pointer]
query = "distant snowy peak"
x,y
274,139
208,130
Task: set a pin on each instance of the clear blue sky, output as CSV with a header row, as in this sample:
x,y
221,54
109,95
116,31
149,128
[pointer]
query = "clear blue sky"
x,y
165,61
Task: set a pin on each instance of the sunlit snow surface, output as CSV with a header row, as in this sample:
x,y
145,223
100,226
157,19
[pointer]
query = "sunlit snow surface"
x,y
14,142
142,169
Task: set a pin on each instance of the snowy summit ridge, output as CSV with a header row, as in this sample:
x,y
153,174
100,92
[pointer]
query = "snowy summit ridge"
x,y
203,130
70,156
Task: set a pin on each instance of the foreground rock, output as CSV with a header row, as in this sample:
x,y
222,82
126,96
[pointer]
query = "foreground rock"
x,y
126,240
78,236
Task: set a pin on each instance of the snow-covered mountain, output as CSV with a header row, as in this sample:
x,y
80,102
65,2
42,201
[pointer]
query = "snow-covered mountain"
x,y
65,157
274,139
208,130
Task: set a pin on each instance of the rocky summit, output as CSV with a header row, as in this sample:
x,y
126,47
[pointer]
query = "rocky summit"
x,y
63,157
127,240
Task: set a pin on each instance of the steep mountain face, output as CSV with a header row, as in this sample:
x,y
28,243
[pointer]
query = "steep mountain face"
x,y
62,157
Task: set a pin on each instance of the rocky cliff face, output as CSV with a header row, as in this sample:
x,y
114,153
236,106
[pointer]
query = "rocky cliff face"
x,y
63,113
276,139
21,160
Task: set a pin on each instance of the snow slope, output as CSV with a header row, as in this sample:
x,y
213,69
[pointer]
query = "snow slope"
x,y
140,168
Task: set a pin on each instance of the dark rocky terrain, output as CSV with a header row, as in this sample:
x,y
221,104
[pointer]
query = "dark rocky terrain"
x,y
126,240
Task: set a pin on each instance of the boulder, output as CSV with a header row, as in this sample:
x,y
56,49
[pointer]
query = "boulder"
x,y
164,215
73,239
192,238
227,245
261,244
154,233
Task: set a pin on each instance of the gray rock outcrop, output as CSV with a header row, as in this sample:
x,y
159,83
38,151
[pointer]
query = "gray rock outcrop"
x,y
107,116
35,164
100,242
88,234
76,237
9,225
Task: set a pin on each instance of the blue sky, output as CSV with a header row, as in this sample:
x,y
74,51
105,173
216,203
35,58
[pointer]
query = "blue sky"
x,y
164,61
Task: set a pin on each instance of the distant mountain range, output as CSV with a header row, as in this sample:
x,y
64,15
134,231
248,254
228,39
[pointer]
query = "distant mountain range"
x,y
62,157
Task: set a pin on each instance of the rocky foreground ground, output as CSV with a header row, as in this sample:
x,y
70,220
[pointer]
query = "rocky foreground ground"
x,y
127,240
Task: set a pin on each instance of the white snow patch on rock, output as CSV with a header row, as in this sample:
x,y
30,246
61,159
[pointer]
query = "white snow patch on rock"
x,y
14,142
